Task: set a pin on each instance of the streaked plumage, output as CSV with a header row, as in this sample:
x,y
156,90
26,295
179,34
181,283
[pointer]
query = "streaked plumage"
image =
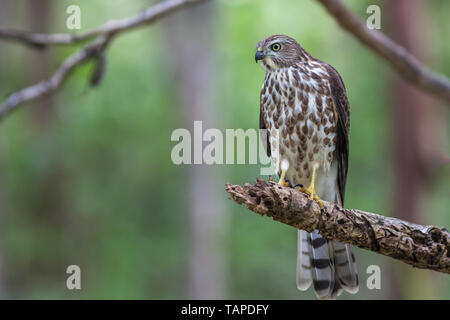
x,y
305,110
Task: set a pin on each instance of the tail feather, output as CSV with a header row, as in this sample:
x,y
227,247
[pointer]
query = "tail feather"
x,y
329,265
345,266
346,270
304,275
322,268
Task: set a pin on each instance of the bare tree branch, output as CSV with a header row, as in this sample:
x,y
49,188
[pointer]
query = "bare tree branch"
x,y
407,65
147,16
92,50
426,247
47,86
401,60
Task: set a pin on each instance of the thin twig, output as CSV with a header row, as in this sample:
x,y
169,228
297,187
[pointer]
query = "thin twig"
x,y
47,86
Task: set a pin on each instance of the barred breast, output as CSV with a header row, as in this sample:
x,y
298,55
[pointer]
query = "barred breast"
x,y
298,112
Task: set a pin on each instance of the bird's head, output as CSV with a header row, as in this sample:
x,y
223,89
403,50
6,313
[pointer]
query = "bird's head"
x,y
278,51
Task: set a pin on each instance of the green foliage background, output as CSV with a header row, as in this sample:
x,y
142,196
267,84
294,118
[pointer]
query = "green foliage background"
x,y
118,202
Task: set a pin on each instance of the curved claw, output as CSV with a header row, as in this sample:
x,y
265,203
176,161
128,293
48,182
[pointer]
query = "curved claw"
x,y
283,183
311,192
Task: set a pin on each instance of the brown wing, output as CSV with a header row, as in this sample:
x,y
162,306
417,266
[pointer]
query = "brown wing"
x,y
262,126
342,112
264,134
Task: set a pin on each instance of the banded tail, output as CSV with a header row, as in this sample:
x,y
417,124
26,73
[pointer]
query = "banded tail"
x,y
328,265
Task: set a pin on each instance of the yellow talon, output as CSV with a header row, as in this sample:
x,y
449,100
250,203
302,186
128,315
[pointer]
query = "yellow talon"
x,y
311,190
282,179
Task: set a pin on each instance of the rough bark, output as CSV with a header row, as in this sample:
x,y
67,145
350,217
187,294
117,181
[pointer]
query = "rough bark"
x,y
426,247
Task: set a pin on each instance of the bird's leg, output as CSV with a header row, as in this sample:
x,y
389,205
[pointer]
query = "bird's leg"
x,y
283,181
311,190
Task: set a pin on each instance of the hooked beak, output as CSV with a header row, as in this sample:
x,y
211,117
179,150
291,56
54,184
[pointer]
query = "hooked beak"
x,y
259,55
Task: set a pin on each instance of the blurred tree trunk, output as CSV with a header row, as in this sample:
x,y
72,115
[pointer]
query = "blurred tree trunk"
x,y
414,133
46,208
190,38
49,206
4,20
39,17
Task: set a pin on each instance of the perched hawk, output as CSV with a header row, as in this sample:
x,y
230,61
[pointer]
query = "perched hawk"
x,y
305,110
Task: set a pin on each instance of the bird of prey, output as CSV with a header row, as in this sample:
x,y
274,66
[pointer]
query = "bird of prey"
x,y
305,113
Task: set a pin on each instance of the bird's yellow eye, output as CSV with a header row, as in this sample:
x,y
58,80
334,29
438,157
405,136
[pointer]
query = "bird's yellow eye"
x,y
276,47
